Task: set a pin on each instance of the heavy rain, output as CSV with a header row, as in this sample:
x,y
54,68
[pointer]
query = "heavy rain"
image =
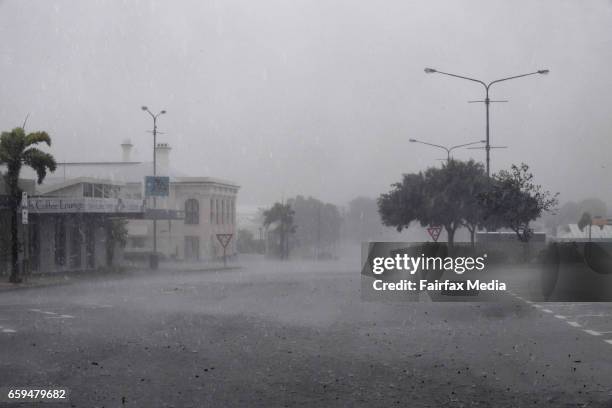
x,y
305,203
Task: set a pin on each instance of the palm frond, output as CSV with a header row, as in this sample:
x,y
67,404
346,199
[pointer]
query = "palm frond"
x,y
37,137
40,161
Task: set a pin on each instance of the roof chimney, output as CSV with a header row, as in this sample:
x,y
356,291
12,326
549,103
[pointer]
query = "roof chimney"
x,y
126,146
162,157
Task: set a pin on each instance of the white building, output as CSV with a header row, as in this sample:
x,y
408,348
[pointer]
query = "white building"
x,y
189,219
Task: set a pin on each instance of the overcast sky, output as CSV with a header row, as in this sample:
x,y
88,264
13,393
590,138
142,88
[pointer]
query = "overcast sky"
x,y
315,97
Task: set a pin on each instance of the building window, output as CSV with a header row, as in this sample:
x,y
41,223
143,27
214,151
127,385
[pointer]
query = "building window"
x,y
212,210
222,211
137,242
98,190
60,241
87,190
192,211
217,210
227,212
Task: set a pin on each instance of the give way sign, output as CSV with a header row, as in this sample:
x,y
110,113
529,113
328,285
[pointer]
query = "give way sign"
x,y
434,233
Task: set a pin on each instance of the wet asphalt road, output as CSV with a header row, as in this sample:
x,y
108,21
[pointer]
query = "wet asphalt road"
x,y
296,334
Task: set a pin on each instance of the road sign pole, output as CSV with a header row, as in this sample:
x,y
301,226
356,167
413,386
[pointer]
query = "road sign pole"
x,y
224,240
25,236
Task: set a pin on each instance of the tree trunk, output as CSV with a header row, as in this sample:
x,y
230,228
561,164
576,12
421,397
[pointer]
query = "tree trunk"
x,y
450,232
472,236
14,277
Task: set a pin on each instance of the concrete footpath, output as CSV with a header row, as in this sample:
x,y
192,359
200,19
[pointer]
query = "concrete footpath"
x,y
133,270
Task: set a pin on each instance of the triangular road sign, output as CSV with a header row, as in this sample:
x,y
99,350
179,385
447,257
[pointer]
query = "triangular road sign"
x,y
434,233
224,239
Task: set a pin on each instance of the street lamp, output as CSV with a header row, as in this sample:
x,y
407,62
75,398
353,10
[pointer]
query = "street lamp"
x,y
486,101
447,149
153,260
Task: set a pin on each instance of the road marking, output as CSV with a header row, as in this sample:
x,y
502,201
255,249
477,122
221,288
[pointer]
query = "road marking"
x,y
572,323
96,306
571,304
9,331
61,317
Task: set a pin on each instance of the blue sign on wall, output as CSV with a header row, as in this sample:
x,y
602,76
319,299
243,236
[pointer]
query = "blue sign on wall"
x,y
157,186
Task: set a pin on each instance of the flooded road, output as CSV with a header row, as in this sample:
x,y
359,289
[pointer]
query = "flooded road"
x,y
296,334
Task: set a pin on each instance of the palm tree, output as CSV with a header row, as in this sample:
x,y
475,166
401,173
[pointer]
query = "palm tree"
x,y
283,214
15,151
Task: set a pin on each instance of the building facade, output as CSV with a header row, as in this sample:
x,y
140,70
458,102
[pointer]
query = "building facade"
x,y
71,226
195,211
189,219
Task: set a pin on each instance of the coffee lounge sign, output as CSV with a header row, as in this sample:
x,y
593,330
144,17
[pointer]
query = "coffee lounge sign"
x,y
83,205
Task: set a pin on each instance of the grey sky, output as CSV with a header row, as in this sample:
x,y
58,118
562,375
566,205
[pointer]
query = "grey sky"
x,y
315,97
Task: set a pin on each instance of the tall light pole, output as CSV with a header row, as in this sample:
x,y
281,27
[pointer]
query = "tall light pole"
x,y
447,149
486,101
153,260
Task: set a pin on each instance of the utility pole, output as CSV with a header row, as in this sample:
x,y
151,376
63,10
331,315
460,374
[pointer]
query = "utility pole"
x,y
153,260
487,101
448,150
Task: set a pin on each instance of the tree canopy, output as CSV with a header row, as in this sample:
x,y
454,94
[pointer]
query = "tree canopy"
x,y
514,200
460,194
318,224
280,218
446,196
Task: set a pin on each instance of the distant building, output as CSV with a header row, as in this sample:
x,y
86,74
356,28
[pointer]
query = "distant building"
x,y
571,232
196,209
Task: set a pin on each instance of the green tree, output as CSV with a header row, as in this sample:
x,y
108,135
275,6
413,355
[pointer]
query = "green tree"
x,y
281,216
446,196
472,183
16,150
585,221
405,202
514,200
318,224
